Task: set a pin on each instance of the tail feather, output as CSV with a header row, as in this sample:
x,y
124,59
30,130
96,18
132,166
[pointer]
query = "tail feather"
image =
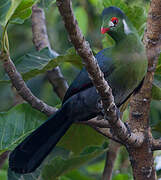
x,y
29,154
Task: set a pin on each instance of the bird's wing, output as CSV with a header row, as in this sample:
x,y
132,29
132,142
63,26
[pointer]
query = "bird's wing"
x,y
82,81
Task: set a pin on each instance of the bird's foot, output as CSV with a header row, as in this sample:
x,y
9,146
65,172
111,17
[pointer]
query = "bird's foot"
x,y
99,106
128,128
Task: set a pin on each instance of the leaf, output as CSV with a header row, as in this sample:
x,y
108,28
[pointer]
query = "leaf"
x,y
156,88
7,9
16,124
4,8
35,63
23,11
82,19
60,166
80,136
15,11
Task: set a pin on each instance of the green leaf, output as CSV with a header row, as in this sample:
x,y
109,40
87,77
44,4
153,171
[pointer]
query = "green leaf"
x,y
82,18
80,136
156,88
15,10
60,166
7,9
16,124
4,8
23,11
35,63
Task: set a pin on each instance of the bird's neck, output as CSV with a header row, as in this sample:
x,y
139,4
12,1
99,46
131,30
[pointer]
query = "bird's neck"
x,y
129,42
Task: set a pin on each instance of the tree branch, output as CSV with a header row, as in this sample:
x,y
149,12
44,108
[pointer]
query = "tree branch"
x,y
97,77
21,87
41,40
142,158
111,156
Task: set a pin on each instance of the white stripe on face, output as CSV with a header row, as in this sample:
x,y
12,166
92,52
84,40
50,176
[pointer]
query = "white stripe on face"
x,y
111,24
126,28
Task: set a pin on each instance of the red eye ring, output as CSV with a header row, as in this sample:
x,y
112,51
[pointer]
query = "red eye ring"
x,y
114,20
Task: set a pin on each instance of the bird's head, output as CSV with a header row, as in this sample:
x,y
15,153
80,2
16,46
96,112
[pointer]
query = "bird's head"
x,y
115,23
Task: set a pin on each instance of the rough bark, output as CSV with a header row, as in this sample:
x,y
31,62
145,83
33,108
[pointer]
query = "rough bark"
x,y
41,40
141,158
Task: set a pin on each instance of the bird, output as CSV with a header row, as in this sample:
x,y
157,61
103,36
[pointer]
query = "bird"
x,y
124,66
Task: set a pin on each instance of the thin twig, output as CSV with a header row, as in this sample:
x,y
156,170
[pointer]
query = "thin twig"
x,y
96,75
111,156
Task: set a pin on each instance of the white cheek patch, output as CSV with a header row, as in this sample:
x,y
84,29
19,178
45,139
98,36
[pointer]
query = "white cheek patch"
x,y
111,24
126,28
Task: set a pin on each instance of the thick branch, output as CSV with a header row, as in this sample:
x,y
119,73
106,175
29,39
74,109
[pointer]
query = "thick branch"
x,y
97,77
41,40
142,158
21,87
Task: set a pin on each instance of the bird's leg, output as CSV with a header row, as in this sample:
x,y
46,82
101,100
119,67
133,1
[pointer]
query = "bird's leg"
x,y
100,109
128,128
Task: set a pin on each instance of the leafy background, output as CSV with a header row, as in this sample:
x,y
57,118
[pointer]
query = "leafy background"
x,y
81,152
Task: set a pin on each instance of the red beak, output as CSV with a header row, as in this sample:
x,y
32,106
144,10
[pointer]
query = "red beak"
x,y
104,30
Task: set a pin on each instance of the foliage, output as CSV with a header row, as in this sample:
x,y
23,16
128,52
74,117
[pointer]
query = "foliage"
x,y
35,63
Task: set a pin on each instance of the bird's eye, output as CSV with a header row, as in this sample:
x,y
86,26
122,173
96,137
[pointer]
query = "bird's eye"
x,y
114,20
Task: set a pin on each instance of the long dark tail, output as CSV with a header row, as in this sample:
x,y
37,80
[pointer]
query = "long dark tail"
x,y
28,155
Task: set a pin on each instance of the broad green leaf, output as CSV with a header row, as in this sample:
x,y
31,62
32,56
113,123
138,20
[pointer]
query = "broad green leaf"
x,y
80,136
4,8
35,63
82,19
7,9
15,11
23,11
60,166
16,124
